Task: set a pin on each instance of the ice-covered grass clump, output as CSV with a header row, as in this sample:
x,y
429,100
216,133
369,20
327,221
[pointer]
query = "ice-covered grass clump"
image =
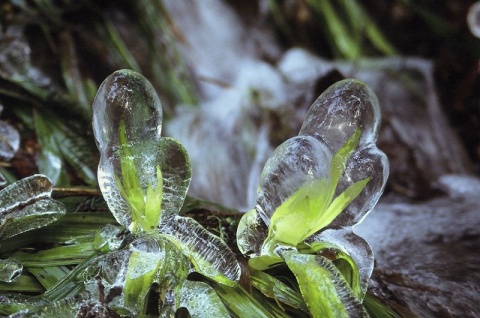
x,y
313,190
144,179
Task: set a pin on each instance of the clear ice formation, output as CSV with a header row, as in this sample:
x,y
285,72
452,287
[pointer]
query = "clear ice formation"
x,y
9,143
126,100
9,270
26,205
333,118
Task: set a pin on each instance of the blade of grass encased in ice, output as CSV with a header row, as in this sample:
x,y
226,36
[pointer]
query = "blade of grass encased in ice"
x,y
22,284
49,276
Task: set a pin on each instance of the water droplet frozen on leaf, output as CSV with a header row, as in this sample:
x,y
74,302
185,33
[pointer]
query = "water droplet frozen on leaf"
x,y
126,96
339,111
294,163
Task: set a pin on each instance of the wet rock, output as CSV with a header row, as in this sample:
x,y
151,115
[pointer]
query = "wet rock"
x,y
427,252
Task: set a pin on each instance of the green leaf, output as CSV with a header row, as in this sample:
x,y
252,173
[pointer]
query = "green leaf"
x,y
344,263
145,207
264,262
142,267
208,253
201,300
330,295
242,304
310,208
59,144
274,288
337,206
298,212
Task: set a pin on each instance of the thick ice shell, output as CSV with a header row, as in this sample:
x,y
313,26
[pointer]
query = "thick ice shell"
x,y
127,99
365,162
126,96
343,108
294,163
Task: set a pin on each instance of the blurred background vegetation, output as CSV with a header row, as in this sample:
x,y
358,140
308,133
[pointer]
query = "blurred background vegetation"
x,y
55,53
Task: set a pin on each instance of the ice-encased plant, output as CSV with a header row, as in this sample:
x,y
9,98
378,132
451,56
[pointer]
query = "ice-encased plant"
x,y
144,178
313,190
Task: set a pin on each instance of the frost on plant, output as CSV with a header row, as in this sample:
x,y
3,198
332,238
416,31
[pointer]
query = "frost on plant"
x,y
144,179
313,190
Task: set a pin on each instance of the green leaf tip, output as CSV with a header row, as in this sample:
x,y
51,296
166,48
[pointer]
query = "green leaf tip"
x,y
313,206
145,206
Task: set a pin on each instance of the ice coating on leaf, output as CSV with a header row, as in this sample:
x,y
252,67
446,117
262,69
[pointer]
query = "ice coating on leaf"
x,y
33,216
367,161
330,296
251,233
9,141
176,170
24,191
201,300
9,270
26,205
294,163
106,239
127,125
210,255
124,98
354,246
342,109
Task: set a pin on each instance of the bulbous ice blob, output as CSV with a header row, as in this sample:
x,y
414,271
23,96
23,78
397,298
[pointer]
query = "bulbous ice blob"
x,y
342,109
365,162
126,96
127,121
294,163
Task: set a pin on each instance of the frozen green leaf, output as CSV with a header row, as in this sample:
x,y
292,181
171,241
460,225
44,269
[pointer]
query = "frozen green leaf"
x,y
209,254
201,301
330,295
25,205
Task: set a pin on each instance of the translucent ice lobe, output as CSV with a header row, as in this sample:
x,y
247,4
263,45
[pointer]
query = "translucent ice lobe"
x,y
294,163
126,96
367,161
127,121
355,247
343,108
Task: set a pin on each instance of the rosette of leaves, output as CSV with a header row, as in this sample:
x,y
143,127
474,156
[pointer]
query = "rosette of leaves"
x,y
144,179
313,190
